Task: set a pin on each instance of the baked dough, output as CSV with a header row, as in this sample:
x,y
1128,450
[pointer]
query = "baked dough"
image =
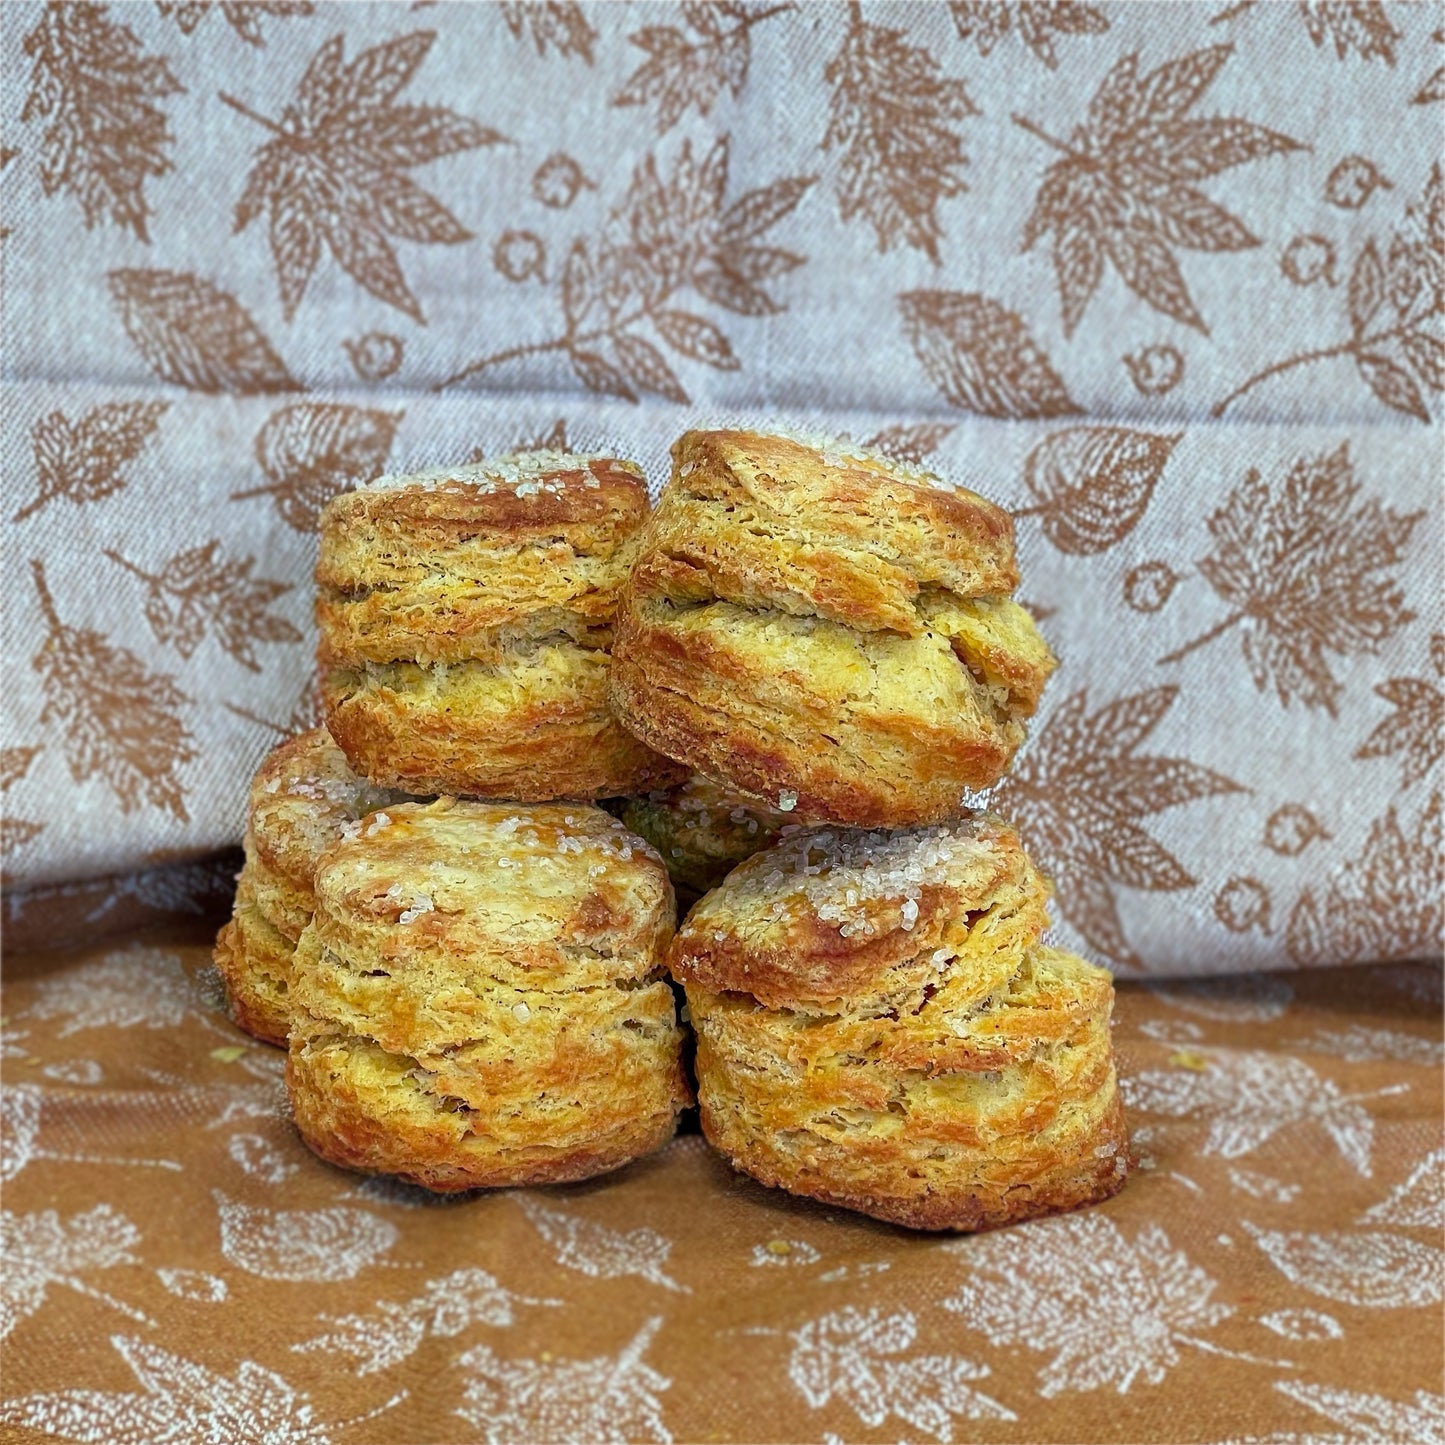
x,y
825,629
701,830
466,616
879,1027
480,999
302,796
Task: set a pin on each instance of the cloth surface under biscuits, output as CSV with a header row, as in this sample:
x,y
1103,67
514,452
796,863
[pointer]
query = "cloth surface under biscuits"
x,y
480,998
825,628
879,1027
466,616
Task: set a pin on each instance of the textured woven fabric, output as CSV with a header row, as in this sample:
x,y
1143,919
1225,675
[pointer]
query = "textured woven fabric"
x,y
177,1266
1165,279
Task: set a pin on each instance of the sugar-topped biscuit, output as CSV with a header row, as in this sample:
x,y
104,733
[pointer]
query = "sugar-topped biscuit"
x,y
302,797
826,630
480,999
879,1027
466,618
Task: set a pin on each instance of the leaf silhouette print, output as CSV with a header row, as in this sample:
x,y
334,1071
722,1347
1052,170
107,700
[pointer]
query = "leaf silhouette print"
x,y
681,71
336,170
849,1355
40,1250
610,1400
1110,1311
310,451
92,81
671,234
561,24
1247,1097
1385,904
1396,314
198,589
135,987
1093,484
395,1331
1418,1202
981,356
1126,189
302,1244
85,461
1434,87
892,115
1083,788
180,1400
1036,22
116,720
243,16
1416,729
1306,571
1358,25
1370,1419
1378,1270
593,1249
911,444
192,333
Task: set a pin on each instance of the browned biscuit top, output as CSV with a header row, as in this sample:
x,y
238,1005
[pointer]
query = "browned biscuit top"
x,y
829,918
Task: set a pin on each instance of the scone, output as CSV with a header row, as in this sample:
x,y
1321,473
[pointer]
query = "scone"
x,y
480,999
466,616
825,629
302,797
702,831
879,1027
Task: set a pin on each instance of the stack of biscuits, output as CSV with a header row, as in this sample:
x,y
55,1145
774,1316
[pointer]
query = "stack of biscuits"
x,y
781,685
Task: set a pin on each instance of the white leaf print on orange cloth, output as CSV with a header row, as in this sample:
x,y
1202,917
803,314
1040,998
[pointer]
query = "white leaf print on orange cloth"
x,y
850,1355
302,1244
1379,1270
593,1249
1110,1311
1419,1202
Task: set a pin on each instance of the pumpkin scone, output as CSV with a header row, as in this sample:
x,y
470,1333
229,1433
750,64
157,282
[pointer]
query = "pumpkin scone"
x,y
826,629
481,1000
302,797
702,831
466,617
879,1027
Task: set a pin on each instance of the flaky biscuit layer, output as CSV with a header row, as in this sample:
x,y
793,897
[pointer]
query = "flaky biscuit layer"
x,y
254,959
826,629
480,998
465,619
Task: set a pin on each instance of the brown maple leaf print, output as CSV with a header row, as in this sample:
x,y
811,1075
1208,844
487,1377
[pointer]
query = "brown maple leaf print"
x,y
243,16
15,832
86,460
562,24
683,70
95,86
1395,307
980,355
1416,729
312,450
892,116
192,333
1306,569
1125,191
1434,87
335,171
1093,484
199,590
672,233
1385,905
911,444
1079,792
116,720
1358,25
1036,23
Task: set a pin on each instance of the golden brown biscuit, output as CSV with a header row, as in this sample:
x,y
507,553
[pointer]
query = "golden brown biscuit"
x,y
466,616
480,999
822,628
302,797
702,831
879,1027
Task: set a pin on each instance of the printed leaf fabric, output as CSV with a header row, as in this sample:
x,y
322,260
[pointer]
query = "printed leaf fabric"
x,y
175,1265
1168,281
